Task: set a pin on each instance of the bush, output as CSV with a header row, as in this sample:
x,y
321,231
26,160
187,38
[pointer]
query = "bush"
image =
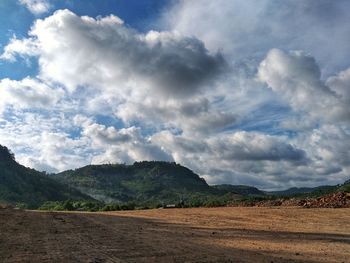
x,y
111,207
22,206
215,203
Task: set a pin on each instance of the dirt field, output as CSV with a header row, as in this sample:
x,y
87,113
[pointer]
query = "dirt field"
x,y
177,235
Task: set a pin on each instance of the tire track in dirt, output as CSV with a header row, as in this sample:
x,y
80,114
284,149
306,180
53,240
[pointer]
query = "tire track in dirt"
x,y
186,235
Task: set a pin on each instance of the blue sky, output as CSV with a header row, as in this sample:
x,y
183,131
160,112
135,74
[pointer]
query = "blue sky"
x,y
245,92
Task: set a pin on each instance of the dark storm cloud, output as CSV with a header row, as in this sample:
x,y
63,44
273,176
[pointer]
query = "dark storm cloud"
x,y
179,67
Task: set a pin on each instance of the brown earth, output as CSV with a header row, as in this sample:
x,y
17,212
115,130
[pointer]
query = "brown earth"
x,y
232,234
334,200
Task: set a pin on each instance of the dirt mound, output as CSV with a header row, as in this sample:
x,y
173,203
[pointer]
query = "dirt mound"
x,y
281,202
336,200
5,206
268,203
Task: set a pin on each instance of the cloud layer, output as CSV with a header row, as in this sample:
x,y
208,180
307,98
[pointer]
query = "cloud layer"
x,y
250,113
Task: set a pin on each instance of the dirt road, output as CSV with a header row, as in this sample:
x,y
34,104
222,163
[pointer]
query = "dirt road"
x,y
177,235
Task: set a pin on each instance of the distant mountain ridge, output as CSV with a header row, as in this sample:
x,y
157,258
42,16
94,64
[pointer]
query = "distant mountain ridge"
x,y
147,182
311,191
291,191
243,190
163,181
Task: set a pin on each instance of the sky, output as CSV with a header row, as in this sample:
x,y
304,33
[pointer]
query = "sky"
x,y
252,92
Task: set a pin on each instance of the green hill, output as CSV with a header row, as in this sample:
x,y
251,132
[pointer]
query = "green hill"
x,y
19,184
144,183
345,187
141,182
243,190
293,191
312,191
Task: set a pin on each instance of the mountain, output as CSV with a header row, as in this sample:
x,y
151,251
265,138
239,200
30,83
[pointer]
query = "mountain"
x,y
292,191
141,182
19,184
243,190
149,183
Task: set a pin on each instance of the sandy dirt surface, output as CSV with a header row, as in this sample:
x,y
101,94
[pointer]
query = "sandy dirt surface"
x,y
177,235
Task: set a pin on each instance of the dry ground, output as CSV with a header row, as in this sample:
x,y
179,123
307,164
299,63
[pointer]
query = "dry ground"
x,y
177,235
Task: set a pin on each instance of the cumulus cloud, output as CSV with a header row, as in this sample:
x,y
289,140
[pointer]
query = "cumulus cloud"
x,y
28,93
103,135
238,157
238,146
24,47
126,145
330,145
42,141
37,7
83,51
256,147
296,77
190,116
244,29
340,84
136,75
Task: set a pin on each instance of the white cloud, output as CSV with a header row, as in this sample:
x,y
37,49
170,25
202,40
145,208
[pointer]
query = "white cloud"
x,y
28,93
255,147
82,51
102,56
37,7
190,116
237,157
126,145
41,140
24,47
340,84
248,29
296,78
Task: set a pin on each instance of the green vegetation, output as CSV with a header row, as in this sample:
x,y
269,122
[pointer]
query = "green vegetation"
x,y
312,192
239,189
91,206
94,206
345,187
112,187
29,188
146,183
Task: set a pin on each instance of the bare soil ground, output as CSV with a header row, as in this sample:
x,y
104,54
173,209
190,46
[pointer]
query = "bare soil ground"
x,y
235,234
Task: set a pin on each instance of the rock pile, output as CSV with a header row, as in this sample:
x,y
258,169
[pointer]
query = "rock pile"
x,y
335,200
267,203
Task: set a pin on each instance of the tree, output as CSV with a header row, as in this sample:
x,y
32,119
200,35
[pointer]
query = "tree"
x,y
6,154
